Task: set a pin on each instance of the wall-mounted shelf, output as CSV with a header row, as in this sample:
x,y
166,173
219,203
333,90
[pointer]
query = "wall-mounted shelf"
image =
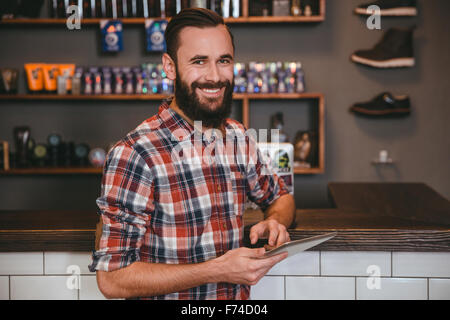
x,y
140,21
244,97
51,171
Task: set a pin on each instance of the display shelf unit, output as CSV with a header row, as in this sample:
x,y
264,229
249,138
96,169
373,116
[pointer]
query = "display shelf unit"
x,y
244,98
245,18
52,171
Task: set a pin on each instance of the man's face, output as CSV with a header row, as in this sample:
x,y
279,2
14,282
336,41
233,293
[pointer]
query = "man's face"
x,y
204,74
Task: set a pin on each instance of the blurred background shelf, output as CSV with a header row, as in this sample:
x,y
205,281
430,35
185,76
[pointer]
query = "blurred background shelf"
x,y
51,171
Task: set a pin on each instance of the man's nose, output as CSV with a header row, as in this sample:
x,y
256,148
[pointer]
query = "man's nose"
x,y
212,74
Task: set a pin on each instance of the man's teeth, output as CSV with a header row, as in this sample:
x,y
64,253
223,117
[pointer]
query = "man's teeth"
x,y
211,90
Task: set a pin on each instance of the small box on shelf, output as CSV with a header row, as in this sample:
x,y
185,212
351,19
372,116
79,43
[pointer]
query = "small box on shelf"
x,y
4,155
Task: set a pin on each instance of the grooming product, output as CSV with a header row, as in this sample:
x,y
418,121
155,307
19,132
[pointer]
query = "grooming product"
x,y
155,35
226,8
21,136
8,80
35,77
111,35
236,8
51,72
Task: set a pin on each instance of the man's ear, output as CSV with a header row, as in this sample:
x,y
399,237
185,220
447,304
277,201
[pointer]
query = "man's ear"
x,y
169,66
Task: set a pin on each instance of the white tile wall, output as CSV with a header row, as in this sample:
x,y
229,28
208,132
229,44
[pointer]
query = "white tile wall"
x,y
4,288
309,275
392,289
439,289
305,263
355,263
421,264
89,289
320,288
41,288
14,263
58,262
268,288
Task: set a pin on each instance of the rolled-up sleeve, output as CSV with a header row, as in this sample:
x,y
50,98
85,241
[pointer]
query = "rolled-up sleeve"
x,y
263,183
125,206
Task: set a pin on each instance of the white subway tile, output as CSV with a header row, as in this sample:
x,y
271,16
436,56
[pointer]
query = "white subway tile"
x,y
421,264
320,288
59,262
302,264
15,263
268,288
350,263
89,289
391,289
43,288
439,289
4,288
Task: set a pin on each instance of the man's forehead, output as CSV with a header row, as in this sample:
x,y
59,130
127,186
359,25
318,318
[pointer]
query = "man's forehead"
x,y
203,41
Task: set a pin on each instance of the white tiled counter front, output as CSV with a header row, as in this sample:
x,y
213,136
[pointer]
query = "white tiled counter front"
x,y
310,275
47,276
359,275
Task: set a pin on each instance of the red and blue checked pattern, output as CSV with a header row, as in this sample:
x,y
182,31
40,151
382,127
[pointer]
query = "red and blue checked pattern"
x,y
157,208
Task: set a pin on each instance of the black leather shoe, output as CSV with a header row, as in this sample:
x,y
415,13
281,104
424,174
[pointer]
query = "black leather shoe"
x,y
384,104
391,7
394,50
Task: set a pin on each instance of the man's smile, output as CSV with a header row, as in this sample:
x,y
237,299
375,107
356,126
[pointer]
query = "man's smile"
x,y
211,92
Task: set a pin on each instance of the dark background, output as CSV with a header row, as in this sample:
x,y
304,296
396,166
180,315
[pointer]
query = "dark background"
x,y
419,144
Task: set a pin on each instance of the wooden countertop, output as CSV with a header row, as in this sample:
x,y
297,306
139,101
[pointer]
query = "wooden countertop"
x,y
359,231
75,231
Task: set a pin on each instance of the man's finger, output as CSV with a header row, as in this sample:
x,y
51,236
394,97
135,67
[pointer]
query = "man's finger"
x,y
255,253
283,237
256,232
273,235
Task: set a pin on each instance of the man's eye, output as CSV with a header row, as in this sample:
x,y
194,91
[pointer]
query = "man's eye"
x,y
224,61
200,62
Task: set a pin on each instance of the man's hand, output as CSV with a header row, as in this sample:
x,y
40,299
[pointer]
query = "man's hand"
x,y
245,266
271,228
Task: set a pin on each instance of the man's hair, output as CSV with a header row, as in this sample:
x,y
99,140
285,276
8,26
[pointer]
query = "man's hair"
x,y
190,17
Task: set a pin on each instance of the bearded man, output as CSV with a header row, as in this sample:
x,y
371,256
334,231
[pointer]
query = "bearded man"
x,y
173,229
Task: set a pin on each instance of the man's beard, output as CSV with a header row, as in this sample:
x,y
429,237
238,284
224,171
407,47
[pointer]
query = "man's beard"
x,y
189,102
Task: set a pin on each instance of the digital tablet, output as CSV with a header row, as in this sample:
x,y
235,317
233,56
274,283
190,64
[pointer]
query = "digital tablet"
x,y
297,246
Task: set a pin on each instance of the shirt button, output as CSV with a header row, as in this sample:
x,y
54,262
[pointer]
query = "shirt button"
x,y
224,225
219,188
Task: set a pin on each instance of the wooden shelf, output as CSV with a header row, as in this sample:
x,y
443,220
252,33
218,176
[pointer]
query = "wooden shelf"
x,y
130,97
51,171
244,97
122,97
140,21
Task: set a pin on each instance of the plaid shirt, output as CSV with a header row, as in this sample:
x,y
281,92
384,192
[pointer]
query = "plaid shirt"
x,y
158,207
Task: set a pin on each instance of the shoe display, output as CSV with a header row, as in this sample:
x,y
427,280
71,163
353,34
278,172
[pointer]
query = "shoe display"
x,y
384,104
395,50
391,7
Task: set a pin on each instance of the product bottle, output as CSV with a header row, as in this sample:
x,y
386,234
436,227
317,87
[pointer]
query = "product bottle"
x,y
22,136
199,4
236,8
226,8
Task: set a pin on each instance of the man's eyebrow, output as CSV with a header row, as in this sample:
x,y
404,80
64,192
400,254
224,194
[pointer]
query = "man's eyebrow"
x,y
226,56
198,57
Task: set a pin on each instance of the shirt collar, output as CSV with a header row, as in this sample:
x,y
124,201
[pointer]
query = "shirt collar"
x,y
178,127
